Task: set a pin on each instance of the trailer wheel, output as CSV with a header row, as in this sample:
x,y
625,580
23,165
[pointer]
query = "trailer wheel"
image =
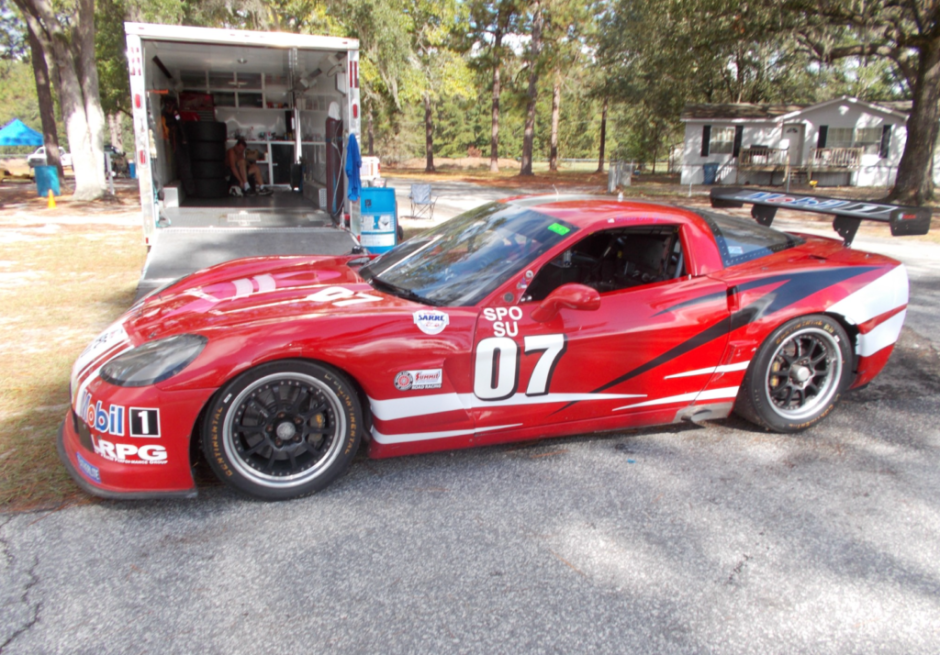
x,y
207,151
209,131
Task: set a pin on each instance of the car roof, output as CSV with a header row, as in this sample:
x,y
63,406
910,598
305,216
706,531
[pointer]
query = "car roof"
x,y
586,211
590,213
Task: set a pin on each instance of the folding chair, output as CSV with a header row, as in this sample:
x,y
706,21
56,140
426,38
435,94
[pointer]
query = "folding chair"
x,y
422,202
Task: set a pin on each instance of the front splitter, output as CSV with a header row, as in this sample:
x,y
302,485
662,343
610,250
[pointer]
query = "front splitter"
x,y
112,495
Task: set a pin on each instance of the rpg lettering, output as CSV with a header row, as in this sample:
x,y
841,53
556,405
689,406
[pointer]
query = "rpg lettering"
x,y
120,452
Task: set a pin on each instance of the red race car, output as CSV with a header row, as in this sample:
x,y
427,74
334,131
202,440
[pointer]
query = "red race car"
x,y
527,318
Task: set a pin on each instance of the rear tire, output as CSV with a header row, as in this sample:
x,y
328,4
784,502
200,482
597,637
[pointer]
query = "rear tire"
x,y
215,131
283,430
798,375
212,188
208,169
207,151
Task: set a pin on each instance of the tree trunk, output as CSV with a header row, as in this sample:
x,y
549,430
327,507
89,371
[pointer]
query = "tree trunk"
x,y
494,132
600,157
117,131
914,184
556,110
87,69
428,134
50,133
70,46
532,93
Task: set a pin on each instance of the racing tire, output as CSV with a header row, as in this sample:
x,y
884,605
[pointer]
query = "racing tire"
x,y
209,188
213,131
283,430
208,169
207,151
798,375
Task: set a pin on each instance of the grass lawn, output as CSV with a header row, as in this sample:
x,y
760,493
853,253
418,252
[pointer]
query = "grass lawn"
x,y
60,285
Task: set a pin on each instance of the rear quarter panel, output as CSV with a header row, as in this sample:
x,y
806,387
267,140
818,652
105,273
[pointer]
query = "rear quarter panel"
x,y
867,293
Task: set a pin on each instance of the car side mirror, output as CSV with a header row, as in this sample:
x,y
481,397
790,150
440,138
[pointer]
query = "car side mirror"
x,y
567,296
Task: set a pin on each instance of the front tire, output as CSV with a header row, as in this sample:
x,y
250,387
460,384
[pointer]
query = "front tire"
x,y
798,375
283,430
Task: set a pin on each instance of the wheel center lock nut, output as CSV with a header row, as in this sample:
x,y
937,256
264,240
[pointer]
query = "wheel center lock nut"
x,y
286,430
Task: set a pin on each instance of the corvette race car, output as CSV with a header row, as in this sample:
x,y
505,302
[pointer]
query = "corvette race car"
x,y
525,318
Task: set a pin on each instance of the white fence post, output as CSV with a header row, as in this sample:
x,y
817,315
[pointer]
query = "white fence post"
x,y
613,176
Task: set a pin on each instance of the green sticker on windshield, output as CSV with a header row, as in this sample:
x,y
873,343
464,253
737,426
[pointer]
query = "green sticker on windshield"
x,y
559,229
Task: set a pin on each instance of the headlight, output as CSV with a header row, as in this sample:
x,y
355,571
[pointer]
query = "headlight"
x,y
153,362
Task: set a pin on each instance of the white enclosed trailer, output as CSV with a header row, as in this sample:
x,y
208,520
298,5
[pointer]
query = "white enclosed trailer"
x,y
274,89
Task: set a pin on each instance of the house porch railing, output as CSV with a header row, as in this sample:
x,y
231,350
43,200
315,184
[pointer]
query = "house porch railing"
x,y
836,158
763,156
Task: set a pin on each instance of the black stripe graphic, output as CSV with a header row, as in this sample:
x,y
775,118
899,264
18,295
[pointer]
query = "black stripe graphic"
x,y
796,286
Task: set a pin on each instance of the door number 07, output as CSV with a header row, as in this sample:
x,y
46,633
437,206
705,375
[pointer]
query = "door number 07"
x,y
496,369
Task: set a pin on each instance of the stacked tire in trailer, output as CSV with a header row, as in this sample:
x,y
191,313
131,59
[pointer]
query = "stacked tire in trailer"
x,y
207,158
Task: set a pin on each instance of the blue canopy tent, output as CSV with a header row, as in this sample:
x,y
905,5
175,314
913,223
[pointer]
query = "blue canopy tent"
x,y
18,133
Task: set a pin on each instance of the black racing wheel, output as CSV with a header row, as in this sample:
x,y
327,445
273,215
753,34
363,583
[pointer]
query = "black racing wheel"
x,y
798,375
283,430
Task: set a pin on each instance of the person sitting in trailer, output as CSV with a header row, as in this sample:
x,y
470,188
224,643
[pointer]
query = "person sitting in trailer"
x,y
244,177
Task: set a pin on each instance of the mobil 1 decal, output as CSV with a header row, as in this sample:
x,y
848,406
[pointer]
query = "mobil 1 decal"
x,y
145,422
106,419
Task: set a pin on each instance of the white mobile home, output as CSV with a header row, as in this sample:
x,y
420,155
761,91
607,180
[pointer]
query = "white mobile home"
x,y
840,142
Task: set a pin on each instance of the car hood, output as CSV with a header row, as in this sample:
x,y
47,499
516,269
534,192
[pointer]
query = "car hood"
x,y
257,292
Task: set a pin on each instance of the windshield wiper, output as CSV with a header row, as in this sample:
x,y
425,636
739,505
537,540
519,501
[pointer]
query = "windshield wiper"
x,y
401,292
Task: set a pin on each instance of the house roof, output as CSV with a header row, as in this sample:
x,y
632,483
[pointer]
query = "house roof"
x,y
737,110
902,106
745,111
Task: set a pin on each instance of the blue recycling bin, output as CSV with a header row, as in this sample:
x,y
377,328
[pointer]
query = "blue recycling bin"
x,y
379,214
132,171
710,171
47,177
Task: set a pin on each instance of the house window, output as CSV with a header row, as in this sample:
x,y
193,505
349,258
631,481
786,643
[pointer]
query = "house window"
x,y
722,140
840,137
868,138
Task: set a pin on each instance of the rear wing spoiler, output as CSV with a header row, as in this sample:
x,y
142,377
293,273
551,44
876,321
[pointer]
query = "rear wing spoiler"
x,y
848,214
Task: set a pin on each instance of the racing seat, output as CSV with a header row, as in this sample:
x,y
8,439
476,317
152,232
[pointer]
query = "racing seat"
x,y
422,202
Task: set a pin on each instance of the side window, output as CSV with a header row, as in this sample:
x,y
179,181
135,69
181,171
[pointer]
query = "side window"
x,y
722,140
612,260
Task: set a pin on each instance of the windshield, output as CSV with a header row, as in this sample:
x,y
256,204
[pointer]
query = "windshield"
x,y
463,260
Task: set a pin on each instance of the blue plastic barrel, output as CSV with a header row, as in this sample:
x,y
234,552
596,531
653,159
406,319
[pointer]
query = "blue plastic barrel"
x,y
47,177
379,219
132,171
711,172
